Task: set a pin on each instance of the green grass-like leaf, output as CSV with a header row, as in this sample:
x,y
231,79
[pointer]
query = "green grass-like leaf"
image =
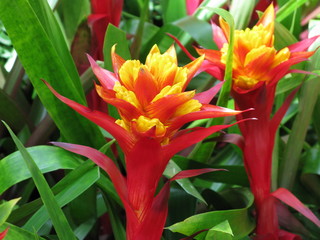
x,y
64,197
57,216
289,8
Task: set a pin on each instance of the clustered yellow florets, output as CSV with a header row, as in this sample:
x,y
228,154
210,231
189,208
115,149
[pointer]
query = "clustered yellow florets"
x,y
168,79
254,56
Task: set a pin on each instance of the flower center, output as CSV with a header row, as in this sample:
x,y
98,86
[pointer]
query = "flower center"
x,y
155,89
254,56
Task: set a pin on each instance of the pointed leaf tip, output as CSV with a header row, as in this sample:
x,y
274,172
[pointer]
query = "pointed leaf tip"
x,y
288,198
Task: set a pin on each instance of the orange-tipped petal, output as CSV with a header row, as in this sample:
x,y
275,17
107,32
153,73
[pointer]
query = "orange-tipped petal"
x,y
172,52
218,36
99,118
165,107
207,111
213,56
193,68
117,61
145,87
225,28
268,17
127,110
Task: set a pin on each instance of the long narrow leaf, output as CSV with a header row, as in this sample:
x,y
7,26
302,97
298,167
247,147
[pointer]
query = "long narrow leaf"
x,y
40,58
64,197
57,216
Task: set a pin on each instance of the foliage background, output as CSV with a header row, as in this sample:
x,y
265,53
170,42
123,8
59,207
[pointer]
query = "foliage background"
x,y
43,34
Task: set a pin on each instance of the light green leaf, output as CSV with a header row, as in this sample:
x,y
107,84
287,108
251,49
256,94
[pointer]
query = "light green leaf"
x,y
220,231
199,30
16,233
241,10
173,10
171,170
289,8
55,158
6,208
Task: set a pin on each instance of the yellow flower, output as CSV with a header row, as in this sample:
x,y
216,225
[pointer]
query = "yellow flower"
x,y
255,58
149,96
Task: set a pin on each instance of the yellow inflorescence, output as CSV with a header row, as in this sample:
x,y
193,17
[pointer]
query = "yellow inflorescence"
x,y
254,56
168,79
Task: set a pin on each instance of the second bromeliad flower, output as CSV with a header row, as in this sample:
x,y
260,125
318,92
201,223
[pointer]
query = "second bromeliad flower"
x,y
153,106
257,68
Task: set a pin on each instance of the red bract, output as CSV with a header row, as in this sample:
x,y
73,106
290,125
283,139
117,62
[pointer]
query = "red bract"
x,y
3,234
103,13
153,106
257,68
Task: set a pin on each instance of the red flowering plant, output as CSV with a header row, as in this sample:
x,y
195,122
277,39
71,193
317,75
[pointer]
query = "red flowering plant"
x,y
153,106
257,68
152,120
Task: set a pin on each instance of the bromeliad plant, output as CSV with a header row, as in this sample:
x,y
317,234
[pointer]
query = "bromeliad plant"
x,y
153,105
257,68
152,124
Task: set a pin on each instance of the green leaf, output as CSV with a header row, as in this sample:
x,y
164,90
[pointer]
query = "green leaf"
x,y
50,25
16,233
54,64
64,197
72,13
55,158
289,8
282,36
220,231
173,10
308,98
6,208
199,30
235,175
204,12
104,184
137,40
113,36
239,219
206,149
171,170
241,10
57,216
